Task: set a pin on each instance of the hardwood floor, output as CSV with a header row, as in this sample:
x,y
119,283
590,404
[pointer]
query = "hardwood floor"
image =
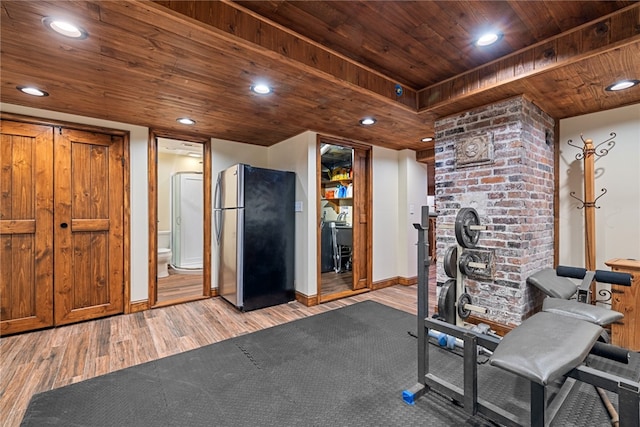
x,y
179,286
333,283
43,360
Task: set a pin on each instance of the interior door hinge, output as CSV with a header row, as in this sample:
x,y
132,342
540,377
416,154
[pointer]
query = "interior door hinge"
x,y
59,130
122,160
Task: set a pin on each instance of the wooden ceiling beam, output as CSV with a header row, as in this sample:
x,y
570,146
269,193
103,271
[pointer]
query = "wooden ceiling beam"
x,y
284,44
614,31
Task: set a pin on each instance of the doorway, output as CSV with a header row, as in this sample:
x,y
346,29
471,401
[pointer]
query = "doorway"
x,y
344,218
180,220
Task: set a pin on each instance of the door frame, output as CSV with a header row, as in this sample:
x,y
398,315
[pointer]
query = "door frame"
x,y
324,139
153,213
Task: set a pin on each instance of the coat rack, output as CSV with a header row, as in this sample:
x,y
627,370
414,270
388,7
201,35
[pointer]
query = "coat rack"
x,y
589,153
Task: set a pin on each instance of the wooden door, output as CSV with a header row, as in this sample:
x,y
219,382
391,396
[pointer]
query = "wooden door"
x,y
88,225
361,219
26,235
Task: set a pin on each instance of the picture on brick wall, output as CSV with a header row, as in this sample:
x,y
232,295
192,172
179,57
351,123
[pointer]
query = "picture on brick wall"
x,y
474,150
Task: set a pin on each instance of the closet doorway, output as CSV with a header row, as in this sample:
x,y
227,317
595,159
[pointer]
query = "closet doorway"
x,y
179,220
63,223
344,218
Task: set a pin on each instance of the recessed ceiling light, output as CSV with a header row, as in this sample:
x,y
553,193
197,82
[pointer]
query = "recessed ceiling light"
x,y
194,154
30,90
65,28
427,139
621,85
261,89
186,121
488,39
367,121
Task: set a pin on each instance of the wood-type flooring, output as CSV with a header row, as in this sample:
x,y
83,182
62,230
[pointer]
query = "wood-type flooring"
x,y
38,361
179,286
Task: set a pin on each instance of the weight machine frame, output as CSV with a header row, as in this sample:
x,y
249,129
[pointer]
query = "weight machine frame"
x,y
541,412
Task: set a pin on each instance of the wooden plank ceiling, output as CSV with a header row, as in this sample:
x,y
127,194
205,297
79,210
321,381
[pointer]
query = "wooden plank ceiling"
x,y
330,63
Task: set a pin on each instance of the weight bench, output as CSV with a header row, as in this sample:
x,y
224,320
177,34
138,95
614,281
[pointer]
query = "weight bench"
x,y
561,328
556,341
557,283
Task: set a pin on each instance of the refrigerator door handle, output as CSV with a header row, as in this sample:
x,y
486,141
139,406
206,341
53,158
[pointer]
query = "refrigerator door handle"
x,y
217,218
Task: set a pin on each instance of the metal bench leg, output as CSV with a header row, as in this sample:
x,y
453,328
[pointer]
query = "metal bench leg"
x,y
538,404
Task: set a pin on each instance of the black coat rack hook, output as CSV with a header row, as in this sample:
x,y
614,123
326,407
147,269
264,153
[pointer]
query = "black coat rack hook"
x,y
598,150
584,204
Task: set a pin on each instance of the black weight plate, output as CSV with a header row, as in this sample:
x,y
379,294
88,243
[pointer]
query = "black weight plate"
x,y
465,259
447,302
450,261
462,301
466,237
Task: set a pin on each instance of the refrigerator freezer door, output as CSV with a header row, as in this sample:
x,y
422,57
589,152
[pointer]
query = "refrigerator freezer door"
x,y
231,259
231,187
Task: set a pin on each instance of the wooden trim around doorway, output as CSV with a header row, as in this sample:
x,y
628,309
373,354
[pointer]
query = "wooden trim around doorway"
x,y
152,150
364,221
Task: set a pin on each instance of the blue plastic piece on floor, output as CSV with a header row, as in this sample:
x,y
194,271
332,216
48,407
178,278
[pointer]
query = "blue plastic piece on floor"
x,y
408,397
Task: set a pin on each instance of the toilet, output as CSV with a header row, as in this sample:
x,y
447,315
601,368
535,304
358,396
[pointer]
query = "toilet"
x,y
164,253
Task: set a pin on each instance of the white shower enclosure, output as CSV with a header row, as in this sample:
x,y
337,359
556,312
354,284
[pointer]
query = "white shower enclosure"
x,y
187,220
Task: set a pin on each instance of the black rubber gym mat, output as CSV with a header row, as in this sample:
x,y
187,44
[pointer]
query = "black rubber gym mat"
x,y
347,367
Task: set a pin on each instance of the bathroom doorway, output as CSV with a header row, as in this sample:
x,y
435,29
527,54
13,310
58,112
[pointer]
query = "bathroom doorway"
x,y
344,218
180,220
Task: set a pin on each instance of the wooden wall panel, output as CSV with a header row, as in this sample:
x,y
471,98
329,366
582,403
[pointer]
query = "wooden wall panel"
x,y
361,219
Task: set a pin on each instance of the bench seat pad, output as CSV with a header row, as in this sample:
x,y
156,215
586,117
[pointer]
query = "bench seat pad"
x,y
545,347
587,312
553,285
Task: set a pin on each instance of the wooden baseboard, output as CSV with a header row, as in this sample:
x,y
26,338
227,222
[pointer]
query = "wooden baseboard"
x,y
136,306
408,281
309,301
499,328
384,283
392,281
215,292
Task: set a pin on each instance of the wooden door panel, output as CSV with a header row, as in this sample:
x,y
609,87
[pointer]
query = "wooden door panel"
x,y
89,200
26,236
361,226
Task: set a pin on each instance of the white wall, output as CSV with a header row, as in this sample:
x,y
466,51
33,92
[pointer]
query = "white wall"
x,y
298,154
412,195
618,219
385,213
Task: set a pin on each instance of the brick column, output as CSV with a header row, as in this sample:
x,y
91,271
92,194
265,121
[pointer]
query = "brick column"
x,y
510,183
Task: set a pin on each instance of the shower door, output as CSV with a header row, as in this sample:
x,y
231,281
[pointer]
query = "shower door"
x,y
187,220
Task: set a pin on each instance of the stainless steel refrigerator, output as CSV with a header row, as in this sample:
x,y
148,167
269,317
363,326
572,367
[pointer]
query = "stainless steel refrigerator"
x,y
254,220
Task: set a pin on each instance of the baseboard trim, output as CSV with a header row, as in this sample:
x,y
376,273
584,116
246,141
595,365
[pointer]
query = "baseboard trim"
x,y
407,281
309,301
385,283
136,306
499,328
392,281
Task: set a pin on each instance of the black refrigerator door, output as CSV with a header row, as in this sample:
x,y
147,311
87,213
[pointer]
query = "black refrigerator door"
x,y
269,237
